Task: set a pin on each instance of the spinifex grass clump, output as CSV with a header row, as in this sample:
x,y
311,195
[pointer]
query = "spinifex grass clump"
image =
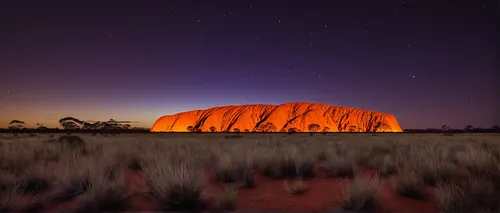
x,y
295,188
230,169
387,166
472,195
339,166
227,199
104,195
35,180
175,187
285,163
410,185
362,194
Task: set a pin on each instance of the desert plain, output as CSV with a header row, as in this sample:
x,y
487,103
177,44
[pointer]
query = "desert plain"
x,y
212,172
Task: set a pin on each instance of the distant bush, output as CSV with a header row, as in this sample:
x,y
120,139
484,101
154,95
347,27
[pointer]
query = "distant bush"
x,y
71,140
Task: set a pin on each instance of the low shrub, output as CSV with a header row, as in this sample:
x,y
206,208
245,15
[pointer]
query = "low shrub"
x,y
409,185
175,187
362,194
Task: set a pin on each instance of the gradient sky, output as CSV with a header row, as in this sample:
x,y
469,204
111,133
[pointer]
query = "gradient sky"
x,y
427,62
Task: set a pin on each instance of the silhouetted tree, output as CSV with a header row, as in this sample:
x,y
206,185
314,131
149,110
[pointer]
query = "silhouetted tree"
x,y
283,130
292,130
126,126
353,128
16,124
212,129
469,128
268,127
495,127
326,129
70,123
190,129
247,130
41,127
444,127
313,128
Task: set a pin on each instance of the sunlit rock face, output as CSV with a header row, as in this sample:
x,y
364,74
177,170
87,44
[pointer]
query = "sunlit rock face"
x,y
297,115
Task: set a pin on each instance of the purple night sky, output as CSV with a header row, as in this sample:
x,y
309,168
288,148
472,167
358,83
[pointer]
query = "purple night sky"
x,y
427,62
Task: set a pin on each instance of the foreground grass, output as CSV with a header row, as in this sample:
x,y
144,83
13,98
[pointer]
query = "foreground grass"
x,y
462,171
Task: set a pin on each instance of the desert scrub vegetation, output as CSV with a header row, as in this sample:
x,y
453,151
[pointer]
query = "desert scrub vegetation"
x,y
339,166
227,200
232,168
104,194
175,186
296,187
409,184
284,162
362,194
472,195
174,168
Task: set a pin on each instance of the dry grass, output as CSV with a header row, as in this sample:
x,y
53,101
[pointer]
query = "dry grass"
x,y
409,184
227,199
463,168
175,186
297,187
362,194
339,166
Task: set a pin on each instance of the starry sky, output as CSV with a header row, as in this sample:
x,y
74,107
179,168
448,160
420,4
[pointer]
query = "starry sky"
x,y
427,62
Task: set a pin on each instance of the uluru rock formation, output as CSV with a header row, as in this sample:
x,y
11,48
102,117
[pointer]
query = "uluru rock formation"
x,y
295,116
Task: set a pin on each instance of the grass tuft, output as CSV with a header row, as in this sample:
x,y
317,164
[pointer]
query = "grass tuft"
x,y
362,194
295,188
340,166
227,199
175,187
409,185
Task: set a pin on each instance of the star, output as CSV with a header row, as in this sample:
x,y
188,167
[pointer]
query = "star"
x,y
250,7
8,91
241,79
33,58
409,45
310,44
279,21
198,20
110,34
405,2
366,30
326,26
413,77
253,75
310,34
470,97
258,38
